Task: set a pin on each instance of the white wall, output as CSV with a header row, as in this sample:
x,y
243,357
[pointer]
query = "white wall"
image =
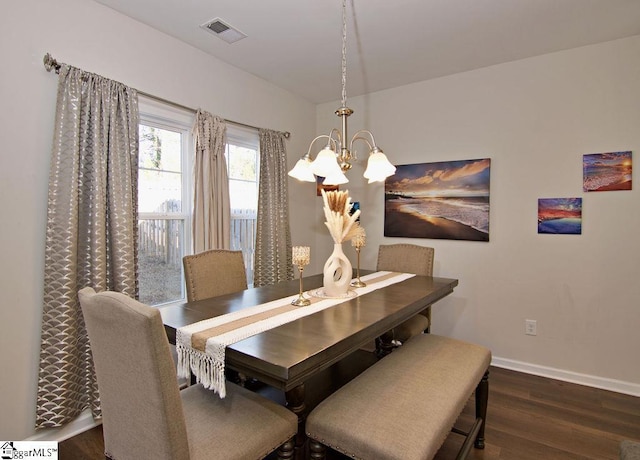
x,y
97,39
535,119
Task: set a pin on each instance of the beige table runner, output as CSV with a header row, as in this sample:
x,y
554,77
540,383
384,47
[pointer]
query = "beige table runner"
x,y
201,346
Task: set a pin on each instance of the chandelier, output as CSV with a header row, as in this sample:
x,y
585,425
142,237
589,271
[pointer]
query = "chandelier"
x,y
335,158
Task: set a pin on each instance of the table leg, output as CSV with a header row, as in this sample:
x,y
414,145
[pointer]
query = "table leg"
x,y
295,403
384,345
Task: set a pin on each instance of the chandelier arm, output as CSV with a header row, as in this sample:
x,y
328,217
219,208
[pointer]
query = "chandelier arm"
x,y
338,141
357,136
331,142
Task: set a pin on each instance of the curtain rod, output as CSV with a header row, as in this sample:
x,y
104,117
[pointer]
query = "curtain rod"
x,y
52,64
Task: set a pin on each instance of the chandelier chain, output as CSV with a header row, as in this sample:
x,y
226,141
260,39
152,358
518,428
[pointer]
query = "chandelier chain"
x,y
334,160
344,53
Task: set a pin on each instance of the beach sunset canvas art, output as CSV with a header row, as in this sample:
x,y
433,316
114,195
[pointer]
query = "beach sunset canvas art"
x,y
560,216
606,171
441,200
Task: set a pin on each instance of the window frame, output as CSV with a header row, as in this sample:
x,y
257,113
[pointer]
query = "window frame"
x,y
248,138
164,116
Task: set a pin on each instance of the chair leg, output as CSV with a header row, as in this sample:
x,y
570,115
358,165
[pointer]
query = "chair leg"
x,y
317,451
287,450
482,399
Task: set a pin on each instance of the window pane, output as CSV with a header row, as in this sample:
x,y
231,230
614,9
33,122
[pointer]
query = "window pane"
x,y
241,162
243,195
159,191
160,176
243,237
160,149
160,245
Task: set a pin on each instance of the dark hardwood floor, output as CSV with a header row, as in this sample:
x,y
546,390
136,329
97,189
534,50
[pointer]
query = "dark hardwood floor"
x,y
532,417
529,418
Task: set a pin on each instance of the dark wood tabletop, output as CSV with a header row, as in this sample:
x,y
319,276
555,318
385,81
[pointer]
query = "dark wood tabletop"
x,y
286,356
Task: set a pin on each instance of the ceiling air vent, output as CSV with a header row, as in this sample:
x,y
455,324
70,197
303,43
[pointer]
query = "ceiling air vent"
x,y
223,30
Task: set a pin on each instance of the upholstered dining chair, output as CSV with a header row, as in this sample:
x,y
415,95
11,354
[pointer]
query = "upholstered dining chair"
x,y
144,415
213,273
407,258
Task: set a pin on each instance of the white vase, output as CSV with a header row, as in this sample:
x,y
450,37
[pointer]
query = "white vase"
x,y
337,273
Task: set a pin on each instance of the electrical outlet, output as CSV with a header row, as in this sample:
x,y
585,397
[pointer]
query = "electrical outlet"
x,y
530,326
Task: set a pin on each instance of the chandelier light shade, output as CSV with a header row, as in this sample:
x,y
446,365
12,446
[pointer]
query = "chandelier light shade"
x,y
336,179
334,160
302,170
378,167
325,164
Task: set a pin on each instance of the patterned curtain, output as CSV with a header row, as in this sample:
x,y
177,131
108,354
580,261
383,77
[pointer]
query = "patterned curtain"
x,y
91,235
211,205
273,235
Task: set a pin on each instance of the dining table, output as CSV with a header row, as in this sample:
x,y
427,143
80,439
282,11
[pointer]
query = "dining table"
x,y
287,356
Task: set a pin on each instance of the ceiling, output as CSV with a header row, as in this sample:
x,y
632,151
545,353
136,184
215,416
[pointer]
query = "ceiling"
x,y
296,44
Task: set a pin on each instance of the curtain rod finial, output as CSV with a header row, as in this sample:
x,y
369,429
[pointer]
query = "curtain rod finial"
x,y
50,63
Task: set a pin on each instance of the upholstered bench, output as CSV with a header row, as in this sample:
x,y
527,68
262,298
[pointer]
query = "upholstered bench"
x,y
629,450
404,405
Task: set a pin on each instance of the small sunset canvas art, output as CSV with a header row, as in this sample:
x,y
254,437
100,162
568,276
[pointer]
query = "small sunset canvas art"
x,y
606,171
560,216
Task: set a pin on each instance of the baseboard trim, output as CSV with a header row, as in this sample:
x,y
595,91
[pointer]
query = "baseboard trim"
x,y
83,422
617,386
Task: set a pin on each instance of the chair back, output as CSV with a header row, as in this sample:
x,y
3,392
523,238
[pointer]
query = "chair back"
x,y
406,258
213,273
139,397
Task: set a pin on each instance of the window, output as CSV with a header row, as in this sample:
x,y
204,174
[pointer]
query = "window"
x,y
243,167
164,197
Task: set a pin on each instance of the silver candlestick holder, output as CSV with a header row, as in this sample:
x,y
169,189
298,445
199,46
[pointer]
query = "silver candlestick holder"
x,y
301,256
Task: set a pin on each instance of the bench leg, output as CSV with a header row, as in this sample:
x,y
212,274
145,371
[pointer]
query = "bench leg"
x,y
482,398
317,451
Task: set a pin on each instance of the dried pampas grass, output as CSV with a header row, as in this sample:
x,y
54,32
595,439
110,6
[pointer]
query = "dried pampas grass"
x,y
337,206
